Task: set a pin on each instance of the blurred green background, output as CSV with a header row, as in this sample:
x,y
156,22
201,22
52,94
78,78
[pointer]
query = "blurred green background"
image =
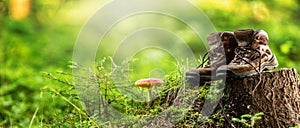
x,y
43,41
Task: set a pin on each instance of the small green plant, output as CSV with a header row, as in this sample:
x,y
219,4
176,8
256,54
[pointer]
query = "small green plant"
x,y
248,120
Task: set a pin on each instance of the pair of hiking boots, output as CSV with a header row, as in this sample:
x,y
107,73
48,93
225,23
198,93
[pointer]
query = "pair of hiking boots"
x,y
236,54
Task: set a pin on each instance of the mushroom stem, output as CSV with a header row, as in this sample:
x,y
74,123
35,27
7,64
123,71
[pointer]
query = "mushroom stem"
x,y
149,94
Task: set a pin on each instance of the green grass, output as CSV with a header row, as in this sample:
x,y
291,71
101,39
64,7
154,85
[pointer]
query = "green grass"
x,y
110,93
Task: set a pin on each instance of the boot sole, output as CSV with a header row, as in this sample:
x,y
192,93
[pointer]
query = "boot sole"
x,y
194,78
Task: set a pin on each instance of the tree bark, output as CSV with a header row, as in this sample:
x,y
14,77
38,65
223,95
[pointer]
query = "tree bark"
x,y
276,94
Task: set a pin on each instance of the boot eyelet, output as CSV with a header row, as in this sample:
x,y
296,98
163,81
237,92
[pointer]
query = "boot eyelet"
x,y
268,52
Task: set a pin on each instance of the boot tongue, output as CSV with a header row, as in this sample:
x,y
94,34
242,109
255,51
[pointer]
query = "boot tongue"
x,y
244,37
260,38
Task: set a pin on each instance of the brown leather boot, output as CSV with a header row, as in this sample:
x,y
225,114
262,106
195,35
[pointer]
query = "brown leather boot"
x,y
252,55
222,45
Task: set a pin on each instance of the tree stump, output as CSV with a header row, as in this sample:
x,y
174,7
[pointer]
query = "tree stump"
x,y
276,94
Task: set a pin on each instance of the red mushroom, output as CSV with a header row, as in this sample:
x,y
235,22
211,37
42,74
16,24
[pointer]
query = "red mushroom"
x,y
149,83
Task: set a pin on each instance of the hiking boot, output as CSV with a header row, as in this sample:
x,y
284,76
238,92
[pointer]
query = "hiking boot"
x,y
221,52
252,55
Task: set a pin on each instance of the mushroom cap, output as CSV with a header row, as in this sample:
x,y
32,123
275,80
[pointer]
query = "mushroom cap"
x,y
149,82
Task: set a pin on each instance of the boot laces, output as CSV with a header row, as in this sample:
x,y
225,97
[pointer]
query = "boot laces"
x,y
244,55
212,54
205,60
